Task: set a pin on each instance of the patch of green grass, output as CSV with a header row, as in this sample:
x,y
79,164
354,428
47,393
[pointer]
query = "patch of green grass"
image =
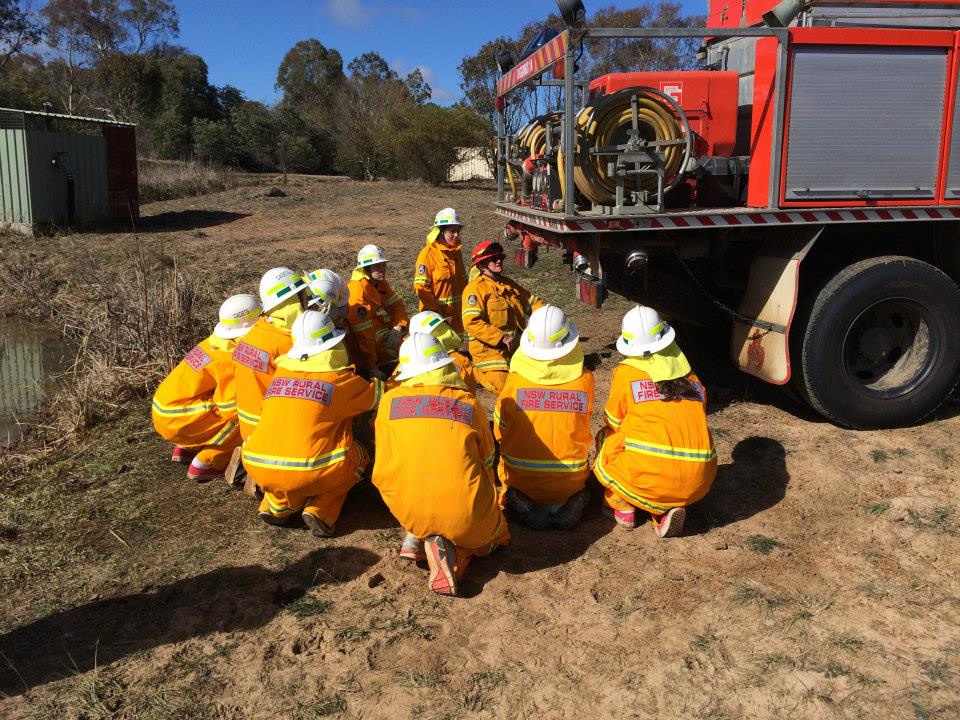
x,y
872,588
878,508
746,593
489,679
324,707
848,642
305,606
763,545
901,452
835,669
938,671
879,456
943,455
352,634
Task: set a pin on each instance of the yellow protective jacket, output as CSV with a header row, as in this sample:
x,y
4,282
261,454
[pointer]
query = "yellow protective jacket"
x,y
254,360
196,404
434,465
440,279
374,309
304,442
545,438
657,454
492,309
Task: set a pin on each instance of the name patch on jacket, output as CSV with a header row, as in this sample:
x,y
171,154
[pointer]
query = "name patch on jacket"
x,y
644,391
573,401
431,406
197,359
252,357
316,390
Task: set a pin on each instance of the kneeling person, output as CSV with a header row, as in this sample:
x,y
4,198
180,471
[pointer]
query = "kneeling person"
x,y
302,453
542,420
434,465
432,323
195,407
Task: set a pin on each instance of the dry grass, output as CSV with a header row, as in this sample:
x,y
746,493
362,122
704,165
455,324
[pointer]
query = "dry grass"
x,y
131,323
169,179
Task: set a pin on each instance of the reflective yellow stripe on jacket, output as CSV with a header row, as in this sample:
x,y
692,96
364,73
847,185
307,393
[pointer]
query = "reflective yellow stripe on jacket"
x,y
550,466
645,447
198,409
294,464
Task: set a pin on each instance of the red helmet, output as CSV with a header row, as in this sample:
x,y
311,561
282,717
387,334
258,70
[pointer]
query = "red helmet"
x,y
486,250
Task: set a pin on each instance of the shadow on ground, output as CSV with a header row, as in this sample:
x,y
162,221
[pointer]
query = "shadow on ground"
x,y
187,220
230,598
755,481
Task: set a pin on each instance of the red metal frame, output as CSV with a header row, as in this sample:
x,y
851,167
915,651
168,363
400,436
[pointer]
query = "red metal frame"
x,y
754,10
947,132
534,65
859,36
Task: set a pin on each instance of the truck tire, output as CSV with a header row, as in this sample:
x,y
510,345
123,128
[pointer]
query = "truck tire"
x,y
881,343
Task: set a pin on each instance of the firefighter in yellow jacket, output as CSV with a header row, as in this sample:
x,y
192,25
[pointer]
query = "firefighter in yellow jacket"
x,y
656,453
431,323
495,309
283,294
542,420
378,319
302,454
434,465
195,407
439,279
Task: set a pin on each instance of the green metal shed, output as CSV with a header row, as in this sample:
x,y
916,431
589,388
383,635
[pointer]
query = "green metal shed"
x,y
63,170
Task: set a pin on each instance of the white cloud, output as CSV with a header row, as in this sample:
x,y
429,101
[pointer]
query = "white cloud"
x,y
348,13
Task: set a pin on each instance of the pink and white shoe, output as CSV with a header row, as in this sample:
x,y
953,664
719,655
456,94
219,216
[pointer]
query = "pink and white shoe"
x,y
670,524
623,518
182,455
201,473
441,556
412,548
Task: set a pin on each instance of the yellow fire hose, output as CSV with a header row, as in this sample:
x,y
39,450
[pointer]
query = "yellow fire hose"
x,y
606,123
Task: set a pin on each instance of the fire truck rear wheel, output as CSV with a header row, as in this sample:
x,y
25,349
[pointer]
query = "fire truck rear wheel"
x,y
881,345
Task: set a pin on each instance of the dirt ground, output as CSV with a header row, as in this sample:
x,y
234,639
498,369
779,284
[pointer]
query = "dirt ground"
x,y
818,579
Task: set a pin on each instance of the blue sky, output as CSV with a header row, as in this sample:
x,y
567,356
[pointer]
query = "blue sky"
x,y
243,41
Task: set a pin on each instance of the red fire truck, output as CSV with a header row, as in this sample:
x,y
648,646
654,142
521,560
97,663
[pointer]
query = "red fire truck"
x,y
806,181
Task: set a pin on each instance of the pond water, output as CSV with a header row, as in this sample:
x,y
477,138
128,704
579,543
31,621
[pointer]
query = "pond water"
x,y
28,357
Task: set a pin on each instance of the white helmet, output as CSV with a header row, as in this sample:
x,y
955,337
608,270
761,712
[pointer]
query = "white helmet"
x,y
278,285
426,322
238,314
447,216
313,332
328,288
421,353
370,255
643,332
549,334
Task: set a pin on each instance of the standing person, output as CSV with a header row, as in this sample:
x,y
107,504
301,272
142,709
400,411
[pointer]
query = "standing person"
x,y
495,309
434,465
440,279
542,420
377,316
431,323
302,454
195,407
656,453
283,296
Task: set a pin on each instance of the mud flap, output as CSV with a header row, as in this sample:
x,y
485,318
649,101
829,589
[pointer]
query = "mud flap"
x,y
771,297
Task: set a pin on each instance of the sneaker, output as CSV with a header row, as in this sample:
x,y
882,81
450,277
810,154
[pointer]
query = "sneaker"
x,y
235,472
317,526
270,519
182,455
670,524
202,474
440,557
624,518
412,548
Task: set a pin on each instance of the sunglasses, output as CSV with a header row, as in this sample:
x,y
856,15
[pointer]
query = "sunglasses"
x,y
496,258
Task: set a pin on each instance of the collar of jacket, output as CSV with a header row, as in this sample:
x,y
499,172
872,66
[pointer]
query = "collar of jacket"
x,y
548,372
282,316
331,360
668,364
448,376
224,344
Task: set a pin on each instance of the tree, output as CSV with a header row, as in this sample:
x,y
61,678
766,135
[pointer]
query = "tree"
x,y
371,67
18,30
430,139
149,22
420,90
310,77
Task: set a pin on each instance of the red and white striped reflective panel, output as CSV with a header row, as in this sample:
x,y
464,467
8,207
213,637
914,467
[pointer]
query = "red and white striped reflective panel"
x,y
682,222
535,64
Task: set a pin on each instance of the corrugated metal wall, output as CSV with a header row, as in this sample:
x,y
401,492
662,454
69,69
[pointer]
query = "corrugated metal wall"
x,y
14,177
87,157
473,166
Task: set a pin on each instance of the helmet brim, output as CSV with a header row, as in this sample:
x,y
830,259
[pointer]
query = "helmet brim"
x,y
651,347
230,332
537,353
414,372
298,351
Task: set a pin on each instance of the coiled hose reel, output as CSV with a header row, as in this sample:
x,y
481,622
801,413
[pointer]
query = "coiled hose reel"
x,y
640,134
531,142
